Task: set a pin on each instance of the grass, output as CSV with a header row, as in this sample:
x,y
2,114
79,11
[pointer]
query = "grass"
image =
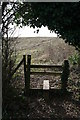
x,y
44,50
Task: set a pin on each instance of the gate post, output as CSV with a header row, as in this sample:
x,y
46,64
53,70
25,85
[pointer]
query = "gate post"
x,y
28,74
65,75
24,58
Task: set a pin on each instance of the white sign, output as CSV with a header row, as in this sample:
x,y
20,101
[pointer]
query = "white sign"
x,y
46,85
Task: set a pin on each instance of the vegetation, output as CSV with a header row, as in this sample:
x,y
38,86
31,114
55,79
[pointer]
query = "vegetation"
x,y
8,51
60,106
63,18
45,50
74,59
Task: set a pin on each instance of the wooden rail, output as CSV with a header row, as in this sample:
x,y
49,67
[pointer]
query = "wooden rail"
x,y
17,67
63,72
46,73
63,69
46,66
28,72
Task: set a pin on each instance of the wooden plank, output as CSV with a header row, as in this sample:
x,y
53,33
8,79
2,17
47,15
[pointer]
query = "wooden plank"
x,y
46,66
46,73
65,75
24,57
17,67
28,73
46,85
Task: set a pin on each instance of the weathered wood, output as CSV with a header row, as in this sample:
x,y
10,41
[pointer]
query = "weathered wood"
x,y
65,75
46,66
17,67
46,73
24,58
28,73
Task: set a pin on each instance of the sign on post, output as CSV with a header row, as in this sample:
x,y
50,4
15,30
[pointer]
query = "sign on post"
x,y
46,85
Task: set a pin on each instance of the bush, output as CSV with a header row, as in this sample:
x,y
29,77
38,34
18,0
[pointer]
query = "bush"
x,y
8,64
74,59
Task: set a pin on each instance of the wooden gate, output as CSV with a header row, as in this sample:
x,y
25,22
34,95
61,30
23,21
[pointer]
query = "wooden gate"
x,y
64,72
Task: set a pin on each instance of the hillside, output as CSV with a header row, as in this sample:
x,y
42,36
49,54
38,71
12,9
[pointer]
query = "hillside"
x,y
44,49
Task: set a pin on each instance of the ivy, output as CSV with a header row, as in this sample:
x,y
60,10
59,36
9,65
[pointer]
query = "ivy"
x,y
63,18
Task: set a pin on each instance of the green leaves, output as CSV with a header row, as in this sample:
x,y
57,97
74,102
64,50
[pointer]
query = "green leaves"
x,y
63,18
74,59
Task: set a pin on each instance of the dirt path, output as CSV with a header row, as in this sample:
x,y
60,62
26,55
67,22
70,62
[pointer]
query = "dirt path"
x,y
58,107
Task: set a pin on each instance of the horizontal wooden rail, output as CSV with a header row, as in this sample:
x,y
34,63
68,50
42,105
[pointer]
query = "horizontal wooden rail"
x,y
46,73
17,67
46,66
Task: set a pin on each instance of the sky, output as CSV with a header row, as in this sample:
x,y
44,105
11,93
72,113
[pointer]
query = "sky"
x,y
29,32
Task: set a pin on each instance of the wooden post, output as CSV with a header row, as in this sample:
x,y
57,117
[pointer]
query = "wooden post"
x,y
46,90
28,74
65,75
24,58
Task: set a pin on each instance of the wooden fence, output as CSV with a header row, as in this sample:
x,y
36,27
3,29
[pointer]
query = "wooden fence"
x,y
64,73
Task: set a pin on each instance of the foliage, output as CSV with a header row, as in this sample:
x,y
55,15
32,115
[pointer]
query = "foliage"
x,y
74,59
7,43
8,50
63,18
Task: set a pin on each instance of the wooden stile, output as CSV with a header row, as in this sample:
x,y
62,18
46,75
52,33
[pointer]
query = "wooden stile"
x,y
63,71
17,67
46,73
46,66
25,76
28,73
65,75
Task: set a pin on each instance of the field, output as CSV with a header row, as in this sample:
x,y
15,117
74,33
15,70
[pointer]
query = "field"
x,y
44,51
